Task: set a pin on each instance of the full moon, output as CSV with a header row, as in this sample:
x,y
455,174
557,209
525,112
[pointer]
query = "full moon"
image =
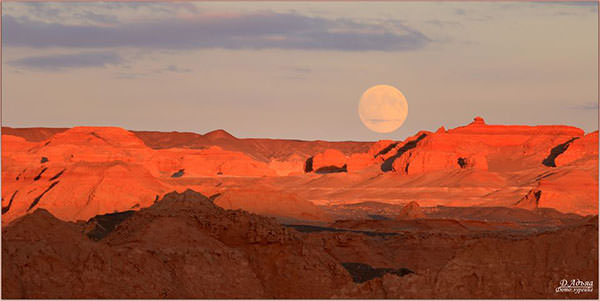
x,y
383,108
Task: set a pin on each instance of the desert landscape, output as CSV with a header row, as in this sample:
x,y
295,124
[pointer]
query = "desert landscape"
x,y
477,211
299,150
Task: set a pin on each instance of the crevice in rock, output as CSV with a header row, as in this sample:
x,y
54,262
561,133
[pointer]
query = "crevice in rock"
x,y
387,164
544,175
556,151
378,217
313,228
57,175
178,174
462,162
106,223
531,200
361,272
101,138
5,209
40,174
332,169
308,165
386,150
20,174
213,197
36,200
44,160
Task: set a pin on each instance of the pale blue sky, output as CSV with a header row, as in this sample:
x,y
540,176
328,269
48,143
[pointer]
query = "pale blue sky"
x,y
297,70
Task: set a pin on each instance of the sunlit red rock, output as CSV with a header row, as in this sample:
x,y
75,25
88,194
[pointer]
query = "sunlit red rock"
x,y
270,202
584,148
476,197
411,210
380,147
291,165
481,164
357,162
330,158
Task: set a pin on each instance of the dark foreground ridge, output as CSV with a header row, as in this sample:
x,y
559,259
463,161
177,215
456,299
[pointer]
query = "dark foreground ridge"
x,y
106,223
186,247
363,272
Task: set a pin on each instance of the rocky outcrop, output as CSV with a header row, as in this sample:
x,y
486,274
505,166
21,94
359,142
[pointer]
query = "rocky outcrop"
x,y
478,164
211,161
381,147
270,202
557,151
479,127
181,247
585,148
531,200
472,146
358,162
411,210
292,165
329,161
99,170
184,246
334,161
420,161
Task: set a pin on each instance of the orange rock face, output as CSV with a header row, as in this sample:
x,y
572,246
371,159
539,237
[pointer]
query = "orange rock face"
x,y
85,171
357,162
330,160
412,210
291,165
269,202
103,170
472,145
380,147
585,148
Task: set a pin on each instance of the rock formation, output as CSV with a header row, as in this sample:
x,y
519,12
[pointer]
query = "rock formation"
x,y
329,161
585,148
181,247
184,246
477,164
411,210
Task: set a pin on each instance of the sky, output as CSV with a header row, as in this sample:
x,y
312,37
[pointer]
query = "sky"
x,y
297,70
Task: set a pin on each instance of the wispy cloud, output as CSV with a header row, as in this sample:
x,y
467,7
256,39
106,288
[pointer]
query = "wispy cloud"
x,y
576,3
175,69
140,74
588,106
246,31
295,72
297,69
68,61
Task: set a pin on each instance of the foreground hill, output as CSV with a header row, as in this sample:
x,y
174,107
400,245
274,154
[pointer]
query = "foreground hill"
x,y
184,246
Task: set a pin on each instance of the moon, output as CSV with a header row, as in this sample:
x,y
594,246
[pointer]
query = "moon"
x,y
383,108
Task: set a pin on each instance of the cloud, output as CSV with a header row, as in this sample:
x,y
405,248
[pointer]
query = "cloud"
x,y
297,69
577,3
153,72
267,30
588,106
586,6
295,72
175,69
68,61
